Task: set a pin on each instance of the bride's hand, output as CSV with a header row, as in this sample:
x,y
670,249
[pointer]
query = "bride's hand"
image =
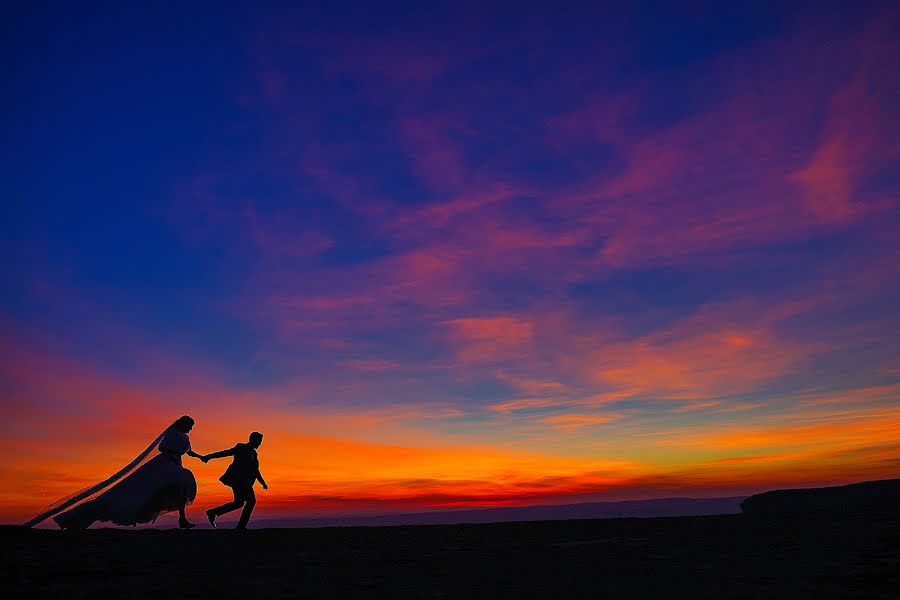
x,y
204,458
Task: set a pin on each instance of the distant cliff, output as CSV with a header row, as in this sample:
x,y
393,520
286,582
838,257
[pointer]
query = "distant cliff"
x,y
870,497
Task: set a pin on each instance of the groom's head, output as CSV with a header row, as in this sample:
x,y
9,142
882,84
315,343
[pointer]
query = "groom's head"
x,y
255,439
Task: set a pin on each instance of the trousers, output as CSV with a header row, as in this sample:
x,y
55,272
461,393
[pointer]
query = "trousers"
x,y
243,497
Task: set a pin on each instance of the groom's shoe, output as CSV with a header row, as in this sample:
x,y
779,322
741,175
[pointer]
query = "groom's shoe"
x,y
185,524
212,518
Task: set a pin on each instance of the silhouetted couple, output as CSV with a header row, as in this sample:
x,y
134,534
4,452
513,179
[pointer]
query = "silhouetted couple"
x,y
162,484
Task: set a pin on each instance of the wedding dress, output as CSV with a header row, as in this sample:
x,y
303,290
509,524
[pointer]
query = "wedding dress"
x,y
147,490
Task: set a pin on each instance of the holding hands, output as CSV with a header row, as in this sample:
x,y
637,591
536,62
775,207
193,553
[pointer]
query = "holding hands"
x,y
203,457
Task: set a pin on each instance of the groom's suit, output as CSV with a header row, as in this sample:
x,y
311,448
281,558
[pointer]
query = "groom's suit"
x,y
240,476
244,468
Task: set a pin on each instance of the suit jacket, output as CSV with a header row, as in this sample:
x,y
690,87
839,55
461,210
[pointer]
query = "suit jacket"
x,y
244,468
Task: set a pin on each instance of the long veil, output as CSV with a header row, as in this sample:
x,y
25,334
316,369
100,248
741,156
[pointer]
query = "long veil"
x,y
72,499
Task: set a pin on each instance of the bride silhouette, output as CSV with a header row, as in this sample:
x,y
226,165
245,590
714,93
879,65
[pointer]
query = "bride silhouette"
x,y
157,486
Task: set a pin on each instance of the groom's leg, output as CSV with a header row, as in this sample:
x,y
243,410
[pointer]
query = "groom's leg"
x,y
229,506
250,498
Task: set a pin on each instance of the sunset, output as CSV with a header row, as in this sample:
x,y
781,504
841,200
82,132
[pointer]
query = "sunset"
x,y
450,257
483,258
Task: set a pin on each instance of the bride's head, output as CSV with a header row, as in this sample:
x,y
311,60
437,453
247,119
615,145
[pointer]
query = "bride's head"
x,y
183,424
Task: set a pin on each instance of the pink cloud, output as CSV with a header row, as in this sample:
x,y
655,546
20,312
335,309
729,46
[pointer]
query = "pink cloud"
x,y
510,406
860,135
491,338
726,177
568,422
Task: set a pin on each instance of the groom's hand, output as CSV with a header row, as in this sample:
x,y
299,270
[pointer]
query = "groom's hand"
x,y
265,486
204,458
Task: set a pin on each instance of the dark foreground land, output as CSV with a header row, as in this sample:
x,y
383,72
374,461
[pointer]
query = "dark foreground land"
x,y
728,556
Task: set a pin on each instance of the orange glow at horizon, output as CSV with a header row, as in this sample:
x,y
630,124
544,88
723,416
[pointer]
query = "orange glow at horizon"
x,y
312,474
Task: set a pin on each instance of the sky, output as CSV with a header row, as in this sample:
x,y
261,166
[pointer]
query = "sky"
x,y
469,254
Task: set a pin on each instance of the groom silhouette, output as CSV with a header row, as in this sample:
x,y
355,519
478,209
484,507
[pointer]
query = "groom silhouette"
x,y
240,476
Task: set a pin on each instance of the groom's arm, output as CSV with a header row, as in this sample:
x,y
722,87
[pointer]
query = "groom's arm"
x,y
220,454
259,477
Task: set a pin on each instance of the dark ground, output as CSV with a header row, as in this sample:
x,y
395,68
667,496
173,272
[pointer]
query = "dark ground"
x,y
728,556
